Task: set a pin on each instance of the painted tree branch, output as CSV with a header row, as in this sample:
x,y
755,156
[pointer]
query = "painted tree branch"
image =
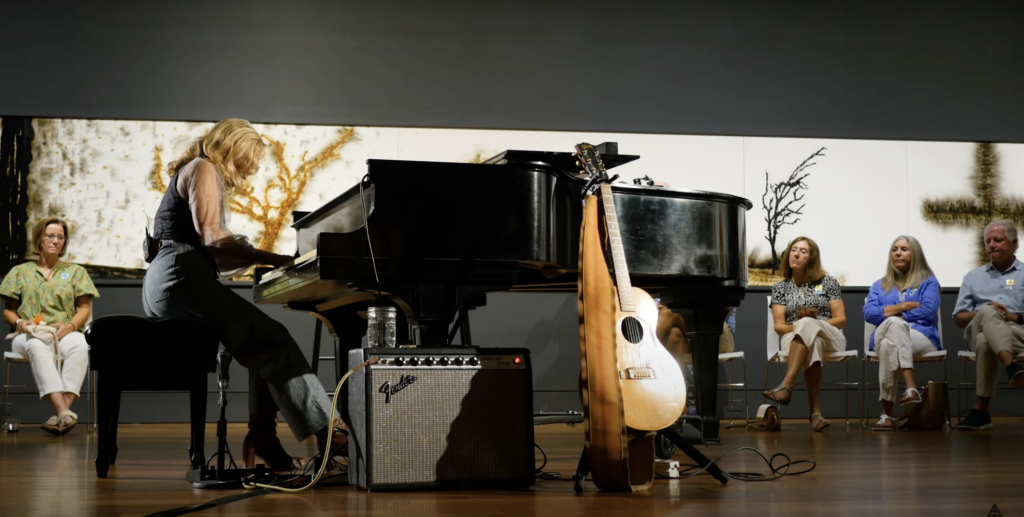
x,y
779,199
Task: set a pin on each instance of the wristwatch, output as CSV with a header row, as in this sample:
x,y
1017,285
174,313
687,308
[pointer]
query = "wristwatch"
x,y
1020,319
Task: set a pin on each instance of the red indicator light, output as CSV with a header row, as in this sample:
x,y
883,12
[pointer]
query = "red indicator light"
x,y
517,360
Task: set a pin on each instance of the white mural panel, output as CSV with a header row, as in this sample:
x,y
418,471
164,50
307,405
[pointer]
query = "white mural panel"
x,y
854,203
107,178
711,163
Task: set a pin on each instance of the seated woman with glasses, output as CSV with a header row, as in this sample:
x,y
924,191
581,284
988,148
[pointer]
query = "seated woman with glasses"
x,y
47,302
809,317
904,305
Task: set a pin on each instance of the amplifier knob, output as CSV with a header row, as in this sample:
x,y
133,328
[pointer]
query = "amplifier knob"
x,y
399,361
430,361
473,361
459,361
445,361
415,361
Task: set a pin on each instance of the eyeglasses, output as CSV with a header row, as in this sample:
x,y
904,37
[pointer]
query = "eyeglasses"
x,y
55,238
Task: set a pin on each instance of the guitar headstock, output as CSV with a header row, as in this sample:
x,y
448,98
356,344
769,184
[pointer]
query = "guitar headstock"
x,y
588,158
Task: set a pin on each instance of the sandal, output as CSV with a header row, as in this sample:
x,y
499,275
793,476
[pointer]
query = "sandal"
x,y
66,428
773,395
910,397
51,425
819,422
886,423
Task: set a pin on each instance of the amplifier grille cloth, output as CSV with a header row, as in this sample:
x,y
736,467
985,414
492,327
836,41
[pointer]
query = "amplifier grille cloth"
x,y
449,425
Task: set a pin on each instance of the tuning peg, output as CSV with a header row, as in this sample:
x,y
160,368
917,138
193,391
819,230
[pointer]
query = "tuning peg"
x,y
578,164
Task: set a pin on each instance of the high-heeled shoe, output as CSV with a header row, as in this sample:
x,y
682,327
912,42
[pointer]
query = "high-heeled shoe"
x,y
262,441
338,447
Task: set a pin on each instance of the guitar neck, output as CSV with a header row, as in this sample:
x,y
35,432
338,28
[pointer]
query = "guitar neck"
x,y
625,289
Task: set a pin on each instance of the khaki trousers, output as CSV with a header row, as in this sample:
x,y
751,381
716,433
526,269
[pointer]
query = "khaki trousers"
x,y
989,333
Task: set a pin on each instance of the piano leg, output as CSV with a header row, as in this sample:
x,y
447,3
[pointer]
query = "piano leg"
x,y
704,348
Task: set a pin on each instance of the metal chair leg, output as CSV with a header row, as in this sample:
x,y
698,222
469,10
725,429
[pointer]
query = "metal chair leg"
x,y
731,422
746,405
7,391
863,391
847,388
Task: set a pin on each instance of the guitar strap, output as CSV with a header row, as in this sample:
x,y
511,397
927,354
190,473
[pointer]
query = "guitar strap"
x,y
620,459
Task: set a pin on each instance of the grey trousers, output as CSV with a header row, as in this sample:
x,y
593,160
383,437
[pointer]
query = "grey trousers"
x,y
181,283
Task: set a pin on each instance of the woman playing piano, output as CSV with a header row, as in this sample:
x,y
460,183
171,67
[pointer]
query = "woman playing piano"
x,y
809,316
196,248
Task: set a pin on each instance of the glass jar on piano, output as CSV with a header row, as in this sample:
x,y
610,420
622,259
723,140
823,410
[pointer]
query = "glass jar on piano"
x,y
380,327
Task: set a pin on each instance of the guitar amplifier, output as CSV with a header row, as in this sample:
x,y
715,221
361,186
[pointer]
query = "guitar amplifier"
x,y
454,417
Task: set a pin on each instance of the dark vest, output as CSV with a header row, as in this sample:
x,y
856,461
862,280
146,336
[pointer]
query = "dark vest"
x,y
173,220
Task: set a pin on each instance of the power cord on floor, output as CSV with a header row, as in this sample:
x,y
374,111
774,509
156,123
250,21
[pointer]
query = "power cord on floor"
x,y
779,472
539,471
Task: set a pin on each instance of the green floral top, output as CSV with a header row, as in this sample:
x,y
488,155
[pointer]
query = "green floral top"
x,y
53,299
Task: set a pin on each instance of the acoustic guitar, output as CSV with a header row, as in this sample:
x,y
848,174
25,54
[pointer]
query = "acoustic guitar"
x,y
652,385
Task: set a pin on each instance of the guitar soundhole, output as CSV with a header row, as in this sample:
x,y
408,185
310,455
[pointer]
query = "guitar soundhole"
x,y
631,330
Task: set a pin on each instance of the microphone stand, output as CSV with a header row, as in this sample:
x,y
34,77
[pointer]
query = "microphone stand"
x,y
221,476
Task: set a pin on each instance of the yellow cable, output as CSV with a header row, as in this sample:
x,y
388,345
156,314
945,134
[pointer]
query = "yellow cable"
x,y
327,451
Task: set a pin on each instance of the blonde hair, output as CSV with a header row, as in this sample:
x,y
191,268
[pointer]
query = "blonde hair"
x,y
814,270
229,141
40,230
918,272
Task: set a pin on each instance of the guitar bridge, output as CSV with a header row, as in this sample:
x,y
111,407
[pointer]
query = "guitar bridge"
x,y
637,373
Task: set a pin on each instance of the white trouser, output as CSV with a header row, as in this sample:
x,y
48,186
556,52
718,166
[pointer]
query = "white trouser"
x,y
991,333
897,344
76,361
819,336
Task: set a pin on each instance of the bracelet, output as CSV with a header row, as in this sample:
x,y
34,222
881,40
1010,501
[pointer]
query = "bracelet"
x,y
73,325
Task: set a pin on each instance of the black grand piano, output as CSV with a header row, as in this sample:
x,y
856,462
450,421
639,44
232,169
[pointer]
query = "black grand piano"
x,y
443,235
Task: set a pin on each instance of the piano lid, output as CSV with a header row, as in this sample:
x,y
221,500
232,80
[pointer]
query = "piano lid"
x,y
565,162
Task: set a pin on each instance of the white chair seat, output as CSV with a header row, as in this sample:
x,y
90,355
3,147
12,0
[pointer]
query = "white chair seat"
x,y
18,358
930,357
724,358
973,356
831,357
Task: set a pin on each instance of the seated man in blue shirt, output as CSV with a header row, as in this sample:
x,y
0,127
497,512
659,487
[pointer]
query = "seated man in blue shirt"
x,y
990,307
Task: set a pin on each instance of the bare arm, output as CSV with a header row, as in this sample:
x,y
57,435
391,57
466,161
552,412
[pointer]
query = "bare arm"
x,y
838,313
11,314
963,319
206,198
83,307
779,315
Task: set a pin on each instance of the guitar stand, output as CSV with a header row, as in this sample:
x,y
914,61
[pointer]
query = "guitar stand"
x,y
220,476
583,468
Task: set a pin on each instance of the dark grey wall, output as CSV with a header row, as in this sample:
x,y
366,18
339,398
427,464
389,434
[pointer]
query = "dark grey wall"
x,y
546,324
935,70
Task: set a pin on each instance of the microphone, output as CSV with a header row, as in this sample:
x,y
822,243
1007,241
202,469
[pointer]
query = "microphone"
x,y
224,367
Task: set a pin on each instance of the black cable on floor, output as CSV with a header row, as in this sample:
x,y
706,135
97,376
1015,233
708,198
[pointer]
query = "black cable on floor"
x,y
776,472
539,471
211,504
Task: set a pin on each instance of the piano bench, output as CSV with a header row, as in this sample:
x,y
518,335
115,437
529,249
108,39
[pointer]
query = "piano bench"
x,y
152,354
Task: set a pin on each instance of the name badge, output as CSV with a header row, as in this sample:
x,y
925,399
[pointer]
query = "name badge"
x,y
1009,282
64,276
819,289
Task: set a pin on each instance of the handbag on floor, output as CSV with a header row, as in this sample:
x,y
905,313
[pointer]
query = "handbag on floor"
x,y
932,412
767,419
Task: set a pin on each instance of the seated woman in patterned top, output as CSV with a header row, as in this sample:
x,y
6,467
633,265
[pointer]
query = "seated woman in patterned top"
x,y
809,316
60,295
904,306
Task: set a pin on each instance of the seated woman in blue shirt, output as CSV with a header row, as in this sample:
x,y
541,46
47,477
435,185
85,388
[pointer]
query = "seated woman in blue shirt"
x,y
904,305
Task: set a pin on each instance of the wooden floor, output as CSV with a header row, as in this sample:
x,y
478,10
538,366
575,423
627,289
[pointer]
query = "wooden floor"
x,y
859,472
